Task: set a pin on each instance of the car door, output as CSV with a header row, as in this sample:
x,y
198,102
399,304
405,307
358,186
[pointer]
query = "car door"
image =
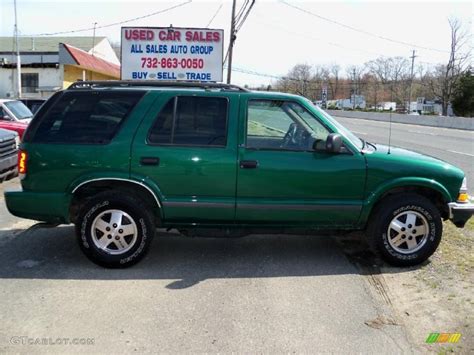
x,y
282,180
187,146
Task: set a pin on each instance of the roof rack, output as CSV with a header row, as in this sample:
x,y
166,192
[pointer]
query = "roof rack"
x,y
153,83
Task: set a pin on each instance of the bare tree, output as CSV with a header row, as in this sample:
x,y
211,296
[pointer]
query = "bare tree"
x,y
355,73
380,68
374,88
393,74
297,80
443,80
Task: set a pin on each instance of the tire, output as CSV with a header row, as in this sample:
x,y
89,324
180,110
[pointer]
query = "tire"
x,y
123,220
393,235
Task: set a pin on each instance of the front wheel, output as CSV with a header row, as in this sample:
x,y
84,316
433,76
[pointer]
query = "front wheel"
x,y
114,230
405,229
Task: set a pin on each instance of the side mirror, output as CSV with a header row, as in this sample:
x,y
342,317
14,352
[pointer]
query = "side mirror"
x,y
5,118
334,143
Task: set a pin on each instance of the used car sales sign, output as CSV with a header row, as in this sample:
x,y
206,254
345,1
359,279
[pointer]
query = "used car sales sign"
x,y
166,53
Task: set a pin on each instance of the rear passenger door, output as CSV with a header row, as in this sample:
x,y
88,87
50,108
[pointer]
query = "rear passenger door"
x,y
187,146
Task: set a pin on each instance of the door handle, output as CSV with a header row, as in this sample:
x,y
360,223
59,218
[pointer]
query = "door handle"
x,y
149,161
248,164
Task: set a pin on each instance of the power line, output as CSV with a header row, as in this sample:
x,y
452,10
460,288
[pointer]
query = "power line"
x,y
241,11
113,24
214,16
329,42
239,25
318,39
234,28
251,72
359,30
235,19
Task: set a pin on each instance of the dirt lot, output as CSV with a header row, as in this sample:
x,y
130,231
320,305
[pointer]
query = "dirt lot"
x,y
435,297
439,295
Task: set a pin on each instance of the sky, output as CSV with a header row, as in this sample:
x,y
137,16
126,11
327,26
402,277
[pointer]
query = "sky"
x,y
275,36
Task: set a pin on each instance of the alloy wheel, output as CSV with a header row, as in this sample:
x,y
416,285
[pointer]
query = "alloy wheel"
x,y
114,231
408,232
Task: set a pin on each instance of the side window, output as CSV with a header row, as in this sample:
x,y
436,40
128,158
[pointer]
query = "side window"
x,y
191,120
85,117
160,133
277,124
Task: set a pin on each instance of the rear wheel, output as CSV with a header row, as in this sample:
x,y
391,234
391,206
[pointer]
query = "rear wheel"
x,y
405,229
114,230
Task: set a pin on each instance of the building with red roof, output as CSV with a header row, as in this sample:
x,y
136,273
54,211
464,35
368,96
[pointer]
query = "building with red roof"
x,y
49,64
81,65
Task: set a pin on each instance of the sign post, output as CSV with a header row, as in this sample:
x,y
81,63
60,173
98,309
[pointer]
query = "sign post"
x,y
167,53
324,96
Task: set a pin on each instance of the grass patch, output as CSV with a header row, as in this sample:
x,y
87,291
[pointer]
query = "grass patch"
x,y
457,246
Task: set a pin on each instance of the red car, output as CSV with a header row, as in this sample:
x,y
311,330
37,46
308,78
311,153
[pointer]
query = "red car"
x,y
14,116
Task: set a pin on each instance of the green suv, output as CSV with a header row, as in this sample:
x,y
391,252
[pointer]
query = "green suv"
x,y
119,159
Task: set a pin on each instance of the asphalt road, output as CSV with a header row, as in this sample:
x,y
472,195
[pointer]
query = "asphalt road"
x,y
257,294
260,294
451,145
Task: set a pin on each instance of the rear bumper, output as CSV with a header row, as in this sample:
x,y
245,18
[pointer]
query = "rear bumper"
x,y
39,206
459,213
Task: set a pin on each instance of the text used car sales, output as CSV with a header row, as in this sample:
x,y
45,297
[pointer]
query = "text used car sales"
x,y
171,54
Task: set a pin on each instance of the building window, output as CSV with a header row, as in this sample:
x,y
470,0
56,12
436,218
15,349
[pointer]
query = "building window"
x,y
29,82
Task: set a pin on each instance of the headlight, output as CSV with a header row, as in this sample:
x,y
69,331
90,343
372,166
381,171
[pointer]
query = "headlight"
x,y
17,141
464,184
463,196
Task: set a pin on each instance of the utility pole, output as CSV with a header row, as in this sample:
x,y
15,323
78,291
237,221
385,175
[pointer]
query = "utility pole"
x,y
18,61
231,43
93,39
353,88
413,56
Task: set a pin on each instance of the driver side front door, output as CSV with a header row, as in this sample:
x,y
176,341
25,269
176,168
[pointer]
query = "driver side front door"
x,y
281,180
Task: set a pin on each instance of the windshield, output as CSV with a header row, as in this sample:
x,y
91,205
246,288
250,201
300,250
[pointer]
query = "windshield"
x,y
19,110
343,130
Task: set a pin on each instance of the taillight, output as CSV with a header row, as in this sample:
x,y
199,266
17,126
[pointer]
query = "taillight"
x,y
22,158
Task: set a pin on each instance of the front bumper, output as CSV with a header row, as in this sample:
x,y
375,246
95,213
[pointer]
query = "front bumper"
x,y
459,213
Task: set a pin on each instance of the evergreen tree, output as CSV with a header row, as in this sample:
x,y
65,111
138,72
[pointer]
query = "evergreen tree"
x,y
463,101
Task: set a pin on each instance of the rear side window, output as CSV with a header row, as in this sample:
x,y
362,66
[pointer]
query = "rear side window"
x,y
191,120
85,117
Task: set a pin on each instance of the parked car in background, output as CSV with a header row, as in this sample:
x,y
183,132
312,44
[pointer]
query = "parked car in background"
x,y
119,159
33,104
9,142
14,116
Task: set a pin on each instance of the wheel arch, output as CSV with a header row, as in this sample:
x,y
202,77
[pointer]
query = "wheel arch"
x,y
430,189
88,187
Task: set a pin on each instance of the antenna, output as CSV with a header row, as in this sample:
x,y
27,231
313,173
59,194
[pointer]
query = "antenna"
x,y
390,123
